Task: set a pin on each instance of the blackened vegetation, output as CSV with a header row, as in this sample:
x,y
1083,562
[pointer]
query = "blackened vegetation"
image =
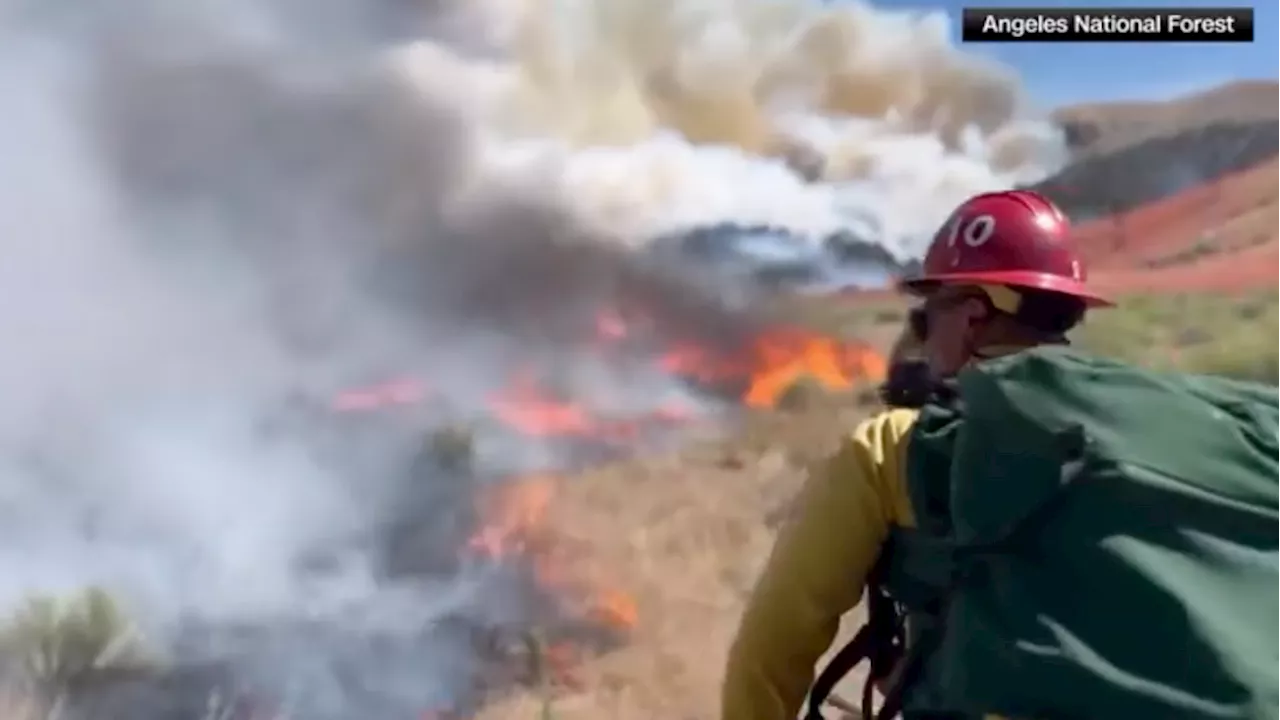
x,y
1119,181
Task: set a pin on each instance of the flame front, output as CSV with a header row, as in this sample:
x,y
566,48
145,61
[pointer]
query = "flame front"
x,y
786,356
513,516
514,525
762,368
529,410
765,366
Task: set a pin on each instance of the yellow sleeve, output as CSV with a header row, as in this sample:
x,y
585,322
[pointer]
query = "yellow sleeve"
x,y
817,570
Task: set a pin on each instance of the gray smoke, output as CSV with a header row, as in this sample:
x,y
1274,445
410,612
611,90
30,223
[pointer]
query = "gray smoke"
x,y
213,216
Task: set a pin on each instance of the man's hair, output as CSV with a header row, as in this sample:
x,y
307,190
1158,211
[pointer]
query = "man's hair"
x,y
1049,313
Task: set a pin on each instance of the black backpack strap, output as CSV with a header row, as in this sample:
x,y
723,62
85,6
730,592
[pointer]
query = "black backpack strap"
x,y
908,384
880,642
907,675
911,384
849,657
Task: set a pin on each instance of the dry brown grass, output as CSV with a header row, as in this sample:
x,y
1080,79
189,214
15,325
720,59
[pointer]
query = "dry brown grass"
x,y
686,533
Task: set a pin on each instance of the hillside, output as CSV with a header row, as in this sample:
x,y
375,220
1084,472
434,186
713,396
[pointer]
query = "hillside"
x,y
1130,154
1144,174
1106,127
1233,215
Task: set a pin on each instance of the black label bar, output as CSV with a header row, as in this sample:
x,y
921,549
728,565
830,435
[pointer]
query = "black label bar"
x,y
1122,24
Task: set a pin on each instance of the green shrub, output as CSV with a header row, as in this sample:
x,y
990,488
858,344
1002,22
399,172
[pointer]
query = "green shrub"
x,y
59,644
1231,335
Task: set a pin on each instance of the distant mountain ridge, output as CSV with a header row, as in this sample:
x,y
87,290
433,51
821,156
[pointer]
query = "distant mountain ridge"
x,y
1125,155
1129,154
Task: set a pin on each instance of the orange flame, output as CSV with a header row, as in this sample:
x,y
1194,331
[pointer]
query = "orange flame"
x,y
533,412
771,362
513,516
526,409
776,360
788,355
616,609
513,522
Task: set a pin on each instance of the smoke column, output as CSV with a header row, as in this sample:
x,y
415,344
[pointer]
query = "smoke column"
x,y
213,213
663,114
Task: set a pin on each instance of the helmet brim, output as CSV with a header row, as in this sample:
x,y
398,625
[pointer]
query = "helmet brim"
x,y
925,284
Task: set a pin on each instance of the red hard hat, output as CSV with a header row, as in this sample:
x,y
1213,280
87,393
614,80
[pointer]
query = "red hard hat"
x,y
1015,238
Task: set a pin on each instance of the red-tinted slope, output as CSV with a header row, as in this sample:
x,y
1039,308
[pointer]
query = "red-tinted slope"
x,y
1215,235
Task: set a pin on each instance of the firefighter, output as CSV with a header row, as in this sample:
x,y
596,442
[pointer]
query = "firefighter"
x,y
999,276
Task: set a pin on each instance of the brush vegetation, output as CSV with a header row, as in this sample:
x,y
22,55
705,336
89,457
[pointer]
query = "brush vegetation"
x,y
1233,336
56,646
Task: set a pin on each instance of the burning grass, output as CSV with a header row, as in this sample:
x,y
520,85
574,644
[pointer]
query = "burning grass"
x,y
755,370
637,544
630,574
691,528
683,534
788,367
589,605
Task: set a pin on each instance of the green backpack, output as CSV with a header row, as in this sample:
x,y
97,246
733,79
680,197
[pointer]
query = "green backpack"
x,y
1094,541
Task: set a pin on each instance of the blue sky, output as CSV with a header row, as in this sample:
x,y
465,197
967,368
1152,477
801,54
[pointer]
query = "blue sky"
x,y
1060,73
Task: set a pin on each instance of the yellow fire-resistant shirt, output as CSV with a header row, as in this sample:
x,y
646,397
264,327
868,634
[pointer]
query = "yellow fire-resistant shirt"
x,y
817,570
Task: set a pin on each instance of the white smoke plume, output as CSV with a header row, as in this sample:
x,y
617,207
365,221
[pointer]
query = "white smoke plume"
x,y
215,213
663,114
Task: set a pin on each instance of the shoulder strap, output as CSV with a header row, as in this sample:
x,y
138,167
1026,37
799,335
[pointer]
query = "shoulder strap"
x,y
911,384
908,384
880,642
